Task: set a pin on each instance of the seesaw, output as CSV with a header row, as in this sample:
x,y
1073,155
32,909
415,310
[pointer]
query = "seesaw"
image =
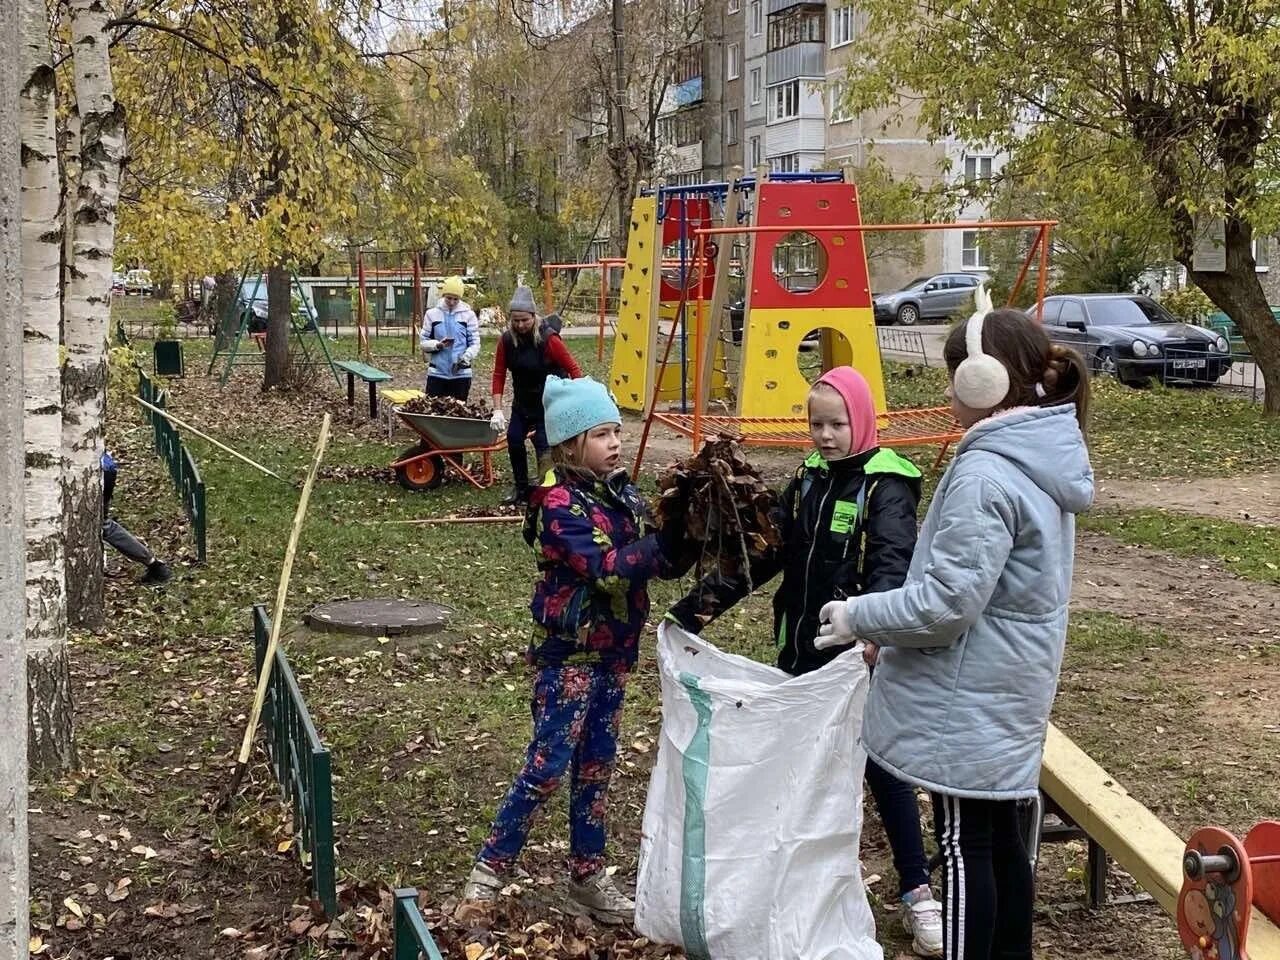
x,y
1224,894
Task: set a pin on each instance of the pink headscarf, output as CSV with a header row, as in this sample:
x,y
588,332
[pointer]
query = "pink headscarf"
x,y
855,392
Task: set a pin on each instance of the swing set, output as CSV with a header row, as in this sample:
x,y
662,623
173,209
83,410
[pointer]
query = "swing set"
x,y
240,321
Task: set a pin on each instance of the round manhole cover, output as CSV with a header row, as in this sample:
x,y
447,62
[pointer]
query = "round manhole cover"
x,y
379,618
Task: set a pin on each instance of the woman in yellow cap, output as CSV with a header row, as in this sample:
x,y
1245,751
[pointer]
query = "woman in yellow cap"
x,y
450,342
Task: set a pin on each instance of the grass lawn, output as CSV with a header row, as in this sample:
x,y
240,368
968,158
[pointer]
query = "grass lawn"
x,y
426,733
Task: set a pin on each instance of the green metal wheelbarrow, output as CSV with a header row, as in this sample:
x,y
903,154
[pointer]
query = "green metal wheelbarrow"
x,y
445,441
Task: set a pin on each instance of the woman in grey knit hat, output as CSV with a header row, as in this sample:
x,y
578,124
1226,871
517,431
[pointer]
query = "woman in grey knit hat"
x,y
532,351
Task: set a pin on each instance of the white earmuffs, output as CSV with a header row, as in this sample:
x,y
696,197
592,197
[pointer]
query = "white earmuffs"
x,y
981,381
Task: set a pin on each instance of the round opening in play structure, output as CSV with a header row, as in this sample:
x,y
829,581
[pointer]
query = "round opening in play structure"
x,y
799,262
821,349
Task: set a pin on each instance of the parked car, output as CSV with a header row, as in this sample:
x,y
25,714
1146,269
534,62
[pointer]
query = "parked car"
x,y
117,283
937,297
138,281
1134,339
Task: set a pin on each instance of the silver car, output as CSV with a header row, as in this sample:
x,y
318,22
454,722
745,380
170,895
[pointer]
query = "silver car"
x,y
936,297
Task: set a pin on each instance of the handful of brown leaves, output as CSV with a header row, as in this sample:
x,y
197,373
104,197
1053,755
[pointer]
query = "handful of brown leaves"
x,y
725,506
449,407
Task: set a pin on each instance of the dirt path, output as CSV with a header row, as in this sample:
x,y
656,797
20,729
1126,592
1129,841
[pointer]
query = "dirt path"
x,y
1192,599
1246,499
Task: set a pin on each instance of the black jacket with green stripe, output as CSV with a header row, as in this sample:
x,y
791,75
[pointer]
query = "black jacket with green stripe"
x,y
848,527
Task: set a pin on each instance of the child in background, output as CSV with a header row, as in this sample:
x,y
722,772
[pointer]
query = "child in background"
x,y
115,534
971,645
587,522
848,525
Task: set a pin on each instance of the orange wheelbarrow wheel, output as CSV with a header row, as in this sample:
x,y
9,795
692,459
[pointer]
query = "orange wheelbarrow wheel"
x,y
425,473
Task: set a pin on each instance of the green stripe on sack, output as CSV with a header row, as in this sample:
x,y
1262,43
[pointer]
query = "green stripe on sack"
x,y
693,865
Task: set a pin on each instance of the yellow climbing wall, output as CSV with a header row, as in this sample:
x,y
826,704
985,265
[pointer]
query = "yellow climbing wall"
x,y
630,372
772,384
638,346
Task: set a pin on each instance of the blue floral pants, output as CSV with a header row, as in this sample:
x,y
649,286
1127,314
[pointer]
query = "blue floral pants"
x,y
576,713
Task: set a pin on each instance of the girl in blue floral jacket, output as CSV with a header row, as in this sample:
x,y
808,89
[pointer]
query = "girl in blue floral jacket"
x,y
587,523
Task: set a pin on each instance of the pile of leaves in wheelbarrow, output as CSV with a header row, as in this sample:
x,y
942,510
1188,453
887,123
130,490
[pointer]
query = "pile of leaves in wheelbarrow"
x,y
728,510
449,407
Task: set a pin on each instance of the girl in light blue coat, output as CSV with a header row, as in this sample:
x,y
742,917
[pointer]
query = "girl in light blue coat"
x,y
970,646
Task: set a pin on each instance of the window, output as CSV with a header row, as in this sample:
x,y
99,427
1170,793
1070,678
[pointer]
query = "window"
x,y
1072,312
757,85
1262,254
757,17
797,25
841,26
731,127
756,154
733,70
787,163
964,280
838,108
735,6
973,256
977,168
784,101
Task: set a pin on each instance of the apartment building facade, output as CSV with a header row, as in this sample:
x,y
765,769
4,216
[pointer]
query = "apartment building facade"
x,y
759,83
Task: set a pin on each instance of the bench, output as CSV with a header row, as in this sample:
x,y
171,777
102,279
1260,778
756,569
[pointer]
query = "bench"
x,y
398,397
370,375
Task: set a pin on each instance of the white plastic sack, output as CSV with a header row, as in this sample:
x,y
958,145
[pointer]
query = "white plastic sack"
x,y
751,828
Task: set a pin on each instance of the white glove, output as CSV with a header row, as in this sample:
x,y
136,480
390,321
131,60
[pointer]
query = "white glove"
x,y
836,628
498,421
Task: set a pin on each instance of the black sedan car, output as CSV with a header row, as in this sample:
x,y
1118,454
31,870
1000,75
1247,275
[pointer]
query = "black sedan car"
x,y
1134,339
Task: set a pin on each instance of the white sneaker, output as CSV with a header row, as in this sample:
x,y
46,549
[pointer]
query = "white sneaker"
x,y
600,898
922,920
483,884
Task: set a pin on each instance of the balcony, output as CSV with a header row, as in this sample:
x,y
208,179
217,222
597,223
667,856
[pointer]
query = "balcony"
x,y
778,6
797,60
681,95
686,159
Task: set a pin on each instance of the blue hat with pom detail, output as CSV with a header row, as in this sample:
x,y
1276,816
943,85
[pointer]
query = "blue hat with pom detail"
x,y
571,407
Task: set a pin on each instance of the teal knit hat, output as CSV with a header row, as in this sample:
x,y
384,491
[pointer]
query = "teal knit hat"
x,y
571,407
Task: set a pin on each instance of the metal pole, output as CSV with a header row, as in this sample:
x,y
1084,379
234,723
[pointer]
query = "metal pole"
x,y
601,299
548,291
1043,279
684,298
699,335
418,305
1026,267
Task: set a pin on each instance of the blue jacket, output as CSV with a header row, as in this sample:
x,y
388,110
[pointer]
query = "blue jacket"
x,y
461,326
596,562
960,699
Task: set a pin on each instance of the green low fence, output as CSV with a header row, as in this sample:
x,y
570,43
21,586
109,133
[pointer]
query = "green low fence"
x,y
182,465
412,938
301,765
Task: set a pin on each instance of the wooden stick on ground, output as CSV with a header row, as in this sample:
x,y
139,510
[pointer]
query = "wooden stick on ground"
x,y
277,619
204,436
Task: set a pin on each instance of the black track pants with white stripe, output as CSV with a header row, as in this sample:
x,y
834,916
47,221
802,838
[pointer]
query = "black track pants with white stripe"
x,y
987,888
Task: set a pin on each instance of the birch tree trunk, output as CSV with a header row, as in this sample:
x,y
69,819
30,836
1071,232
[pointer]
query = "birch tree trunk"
x,y
50,742
14,911
88,308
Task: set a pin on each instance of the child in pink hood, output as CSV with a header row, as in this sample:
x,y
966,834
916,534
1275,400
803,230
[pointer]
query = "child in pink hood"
x,y
848,524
